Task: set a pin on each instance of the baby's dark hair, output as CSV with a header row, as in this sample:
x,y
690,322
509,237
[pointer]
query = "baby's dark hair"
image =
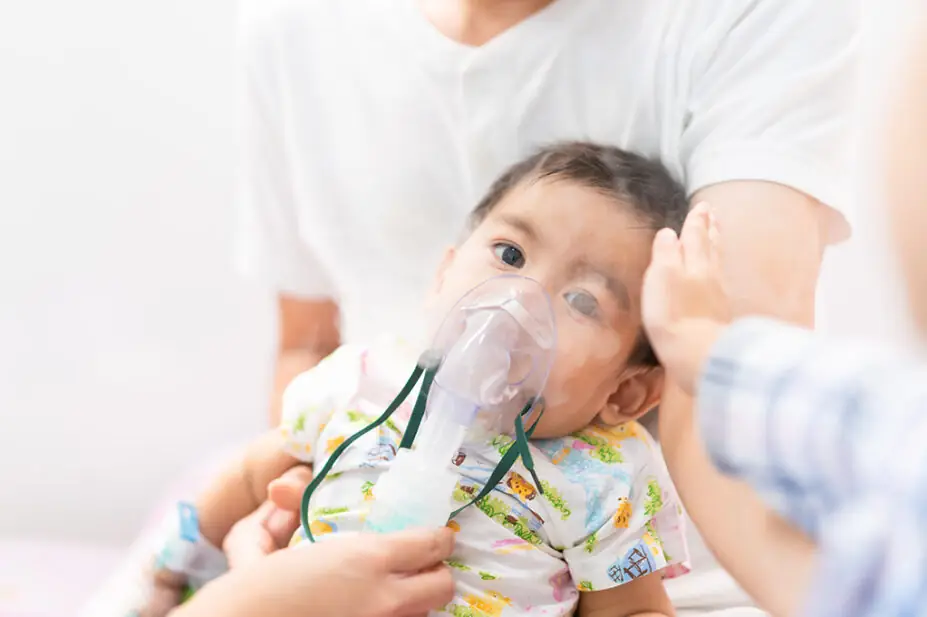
x,y
646,185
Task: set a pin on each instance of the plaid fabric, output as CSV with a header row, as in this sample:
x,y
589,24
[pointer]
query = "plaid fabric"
x,y
834,437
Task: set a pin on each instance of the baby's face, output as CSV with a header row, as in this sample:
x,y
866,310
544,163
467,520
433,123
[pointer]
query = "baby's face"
x,y
589,253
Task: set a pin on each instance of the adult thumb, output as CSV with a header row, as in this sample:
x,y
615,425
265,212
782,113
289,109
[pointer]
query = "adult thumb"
x,y
417,550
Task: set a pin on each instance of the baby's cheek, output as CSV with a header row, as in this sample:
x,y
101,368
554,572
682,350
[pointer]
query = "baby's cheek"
x,y
583,376
568,387
583,353
556,389
610,350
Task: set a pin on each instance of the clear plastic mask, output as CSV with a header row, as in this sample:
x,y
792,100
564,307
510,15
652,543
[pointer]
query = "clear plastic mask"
x,y
495,349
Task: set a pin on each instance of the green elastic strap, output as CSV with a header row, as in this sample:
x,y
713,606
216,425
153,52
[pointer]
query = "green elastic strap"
x,y
317,480
521,442
418,412
519,449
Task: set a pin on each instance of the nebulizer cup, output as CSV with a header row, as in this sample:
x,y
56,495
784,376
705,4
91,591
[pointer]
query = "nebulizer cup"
x,y
492,356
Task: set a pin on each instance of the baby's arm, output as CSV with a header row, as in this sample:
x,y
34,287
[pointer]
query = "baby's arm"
x,y
308,403
191,554
242,487
235,494
642,597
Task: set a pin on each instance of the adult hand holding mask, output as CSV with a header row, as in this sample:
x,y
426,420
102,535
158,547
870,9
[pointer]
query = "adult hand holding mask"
x,y
393,575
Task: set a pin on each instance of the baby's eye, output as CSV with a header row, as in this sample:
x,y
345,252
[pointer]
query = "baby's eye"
x,y
582,302
509,254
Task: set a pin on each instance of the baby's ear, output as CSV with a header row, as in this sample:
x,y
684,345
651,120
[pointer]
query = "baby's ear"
x,y
638,391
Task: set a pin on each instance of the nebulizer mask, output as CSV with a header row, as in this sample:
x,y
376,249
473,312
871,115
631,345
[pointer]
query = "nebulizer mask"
x,y
483,376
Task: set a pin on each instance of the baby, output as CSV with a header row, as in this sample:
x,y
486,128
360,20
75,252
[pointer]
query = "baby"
x,y
579,219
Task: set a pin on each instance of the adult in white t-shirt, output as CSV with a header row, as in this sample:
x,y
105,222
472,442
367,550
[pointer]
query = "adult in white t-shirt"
x,y
373,126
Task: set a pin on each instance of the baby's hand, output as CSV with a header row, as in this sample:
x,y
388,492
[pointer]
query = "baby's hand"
x,y
251,538
286,492
270,527
684,305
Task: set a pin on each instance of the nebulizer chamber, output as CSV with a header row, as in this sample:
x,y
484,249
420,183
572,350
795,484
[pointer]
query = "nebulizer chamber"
x,y
493,354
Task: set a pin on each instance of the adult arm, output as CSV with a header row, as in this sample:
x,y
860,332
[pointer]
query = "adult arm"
x,y
766,145
307,333
772,241
805,422
804,419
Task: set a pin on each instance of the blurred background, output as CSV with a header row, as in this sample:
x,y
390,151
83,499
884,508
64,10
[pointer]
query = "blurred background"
x,y
127,338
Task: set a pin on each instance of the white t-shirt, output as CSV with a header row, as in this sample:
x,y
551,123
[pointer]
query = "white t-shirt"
x,y
370,136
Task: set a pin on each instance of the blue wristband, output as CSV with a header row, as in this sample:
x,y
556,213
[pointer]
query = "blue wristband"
x,y
185,550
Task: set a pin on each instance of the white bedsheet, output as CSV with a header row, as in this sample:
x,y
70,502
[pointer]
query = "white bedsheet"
x,y
712,592
707,588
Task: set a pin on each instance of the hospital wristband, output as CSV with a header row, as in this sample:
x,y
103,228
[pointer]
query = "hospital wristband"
x,y
186,552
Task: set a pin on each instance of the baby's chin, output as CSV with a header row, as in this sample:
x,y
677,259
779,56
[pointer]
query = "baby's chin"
x,y
560,418
550,428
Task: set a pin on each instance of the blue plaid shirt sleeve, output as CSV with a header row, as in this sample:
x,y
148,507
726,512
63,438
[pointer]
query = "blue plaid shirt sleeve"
x,y
832,436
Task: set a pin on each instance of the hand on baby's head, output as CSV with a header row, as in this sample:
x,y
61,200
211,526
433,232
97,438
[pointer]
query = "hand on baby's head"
x,y
684,304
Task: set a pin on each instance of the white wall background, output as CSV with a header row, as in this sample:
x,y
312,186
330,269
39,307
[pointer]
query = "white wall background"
x,y
126,339
125,336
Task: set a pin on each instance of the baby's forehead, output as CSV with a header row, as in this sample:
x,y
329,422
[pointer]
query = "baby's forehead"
x,y
554,197
582,228
551,208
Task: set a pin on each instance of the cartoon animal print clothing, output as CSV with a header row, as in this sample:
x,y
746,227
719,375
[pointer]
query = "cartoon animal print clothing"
x,y
607,515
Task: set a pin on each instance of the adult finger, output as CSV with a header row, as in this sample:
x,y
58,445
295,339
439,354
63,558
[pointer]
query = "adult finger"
x,y
286,492
423,592
281,525
666,251
694,238
417,550
248,540
243,550
665,266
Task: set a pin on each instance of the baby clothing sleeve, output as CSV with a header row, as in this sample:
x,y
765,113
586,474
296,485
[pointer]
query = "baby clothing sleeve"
x,y
312,397
643,535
